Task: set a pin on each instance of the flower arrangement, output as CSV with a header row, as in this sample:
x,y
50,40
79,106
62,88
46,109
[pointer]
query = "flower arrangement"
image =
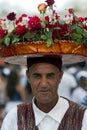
x,y
49,27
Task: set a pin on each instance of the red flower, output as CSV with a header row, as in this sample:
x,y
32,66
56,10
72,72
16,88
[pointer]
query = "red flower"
x,y
48,24
21,30
34,23
85,18
47,19
85,27
81,19
2,33
71,10
11,16
19,20
50,2
24,15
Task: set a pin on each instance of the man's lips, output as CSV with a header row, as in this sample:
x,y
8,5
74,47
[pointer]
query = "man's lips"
x,y
44,91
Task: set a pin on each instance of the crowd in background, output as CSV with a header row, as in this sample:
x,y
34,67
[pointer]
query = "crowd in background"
x,y
74,83
15,89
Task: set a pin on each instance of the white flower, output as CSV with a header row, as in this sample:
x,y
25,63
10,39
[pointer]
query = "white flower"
x,y
68,18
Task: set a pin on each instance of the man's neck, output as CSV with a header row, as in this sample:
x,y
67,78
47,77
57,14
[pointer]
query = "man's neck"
x,y
46,107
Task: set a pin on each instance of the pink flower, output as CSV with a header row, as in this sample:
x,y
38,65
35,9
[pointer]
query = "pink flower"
x,y
11,16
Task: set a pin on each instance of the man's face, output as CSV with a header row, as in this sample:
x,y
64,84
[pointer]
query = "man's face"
x,y
44,79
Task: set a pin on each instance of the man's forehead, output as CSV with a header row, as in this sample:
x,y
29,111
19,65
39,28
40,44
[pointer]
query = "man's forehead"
x,y
43,69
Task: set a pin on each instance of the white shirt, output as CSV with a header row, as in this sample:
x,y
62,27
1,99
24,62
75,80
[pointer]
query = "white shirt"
x,y
44,121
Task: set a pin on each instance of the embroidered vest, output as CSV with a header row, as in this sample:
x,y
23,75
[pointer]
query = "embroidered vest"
x,y
72,119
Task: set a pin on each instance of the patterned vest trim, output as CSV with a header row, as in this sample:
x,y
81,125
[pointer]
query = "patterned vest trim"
x,y
72,119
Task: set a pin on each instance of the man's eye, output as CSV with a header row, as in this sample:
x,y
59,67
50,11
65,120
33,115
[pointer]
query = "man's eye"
x,y
36,76
50,75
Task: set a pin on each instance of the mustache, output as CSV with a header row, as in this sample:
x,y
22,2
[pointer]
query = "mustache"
x,y
47,88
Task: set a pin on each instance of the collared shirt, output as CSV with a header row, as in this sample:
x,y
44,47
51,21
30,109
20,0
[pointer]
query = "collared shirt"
x,y
52,119
44,121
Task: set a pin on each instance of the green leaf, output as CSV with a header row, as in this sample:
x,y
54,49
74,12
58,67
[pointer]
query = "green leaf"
x,y
28,35
32,36
77,38
79,30
7,41
55,40
43,37
85,33
80,24
49,42
74,27
84,41
15,39
49,34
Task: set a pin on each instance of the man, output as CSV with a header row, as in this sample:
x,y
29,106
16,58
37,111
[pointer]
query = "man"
x,y
47,111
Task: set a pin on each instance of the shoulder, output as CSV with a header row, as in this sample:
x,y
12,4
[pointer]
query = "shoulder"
x,y
10,120
75,106
84,123
12,113
24,105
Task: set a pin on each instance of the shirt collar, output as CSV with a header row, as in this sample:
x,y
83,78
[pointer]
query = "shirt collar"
x,y
56,113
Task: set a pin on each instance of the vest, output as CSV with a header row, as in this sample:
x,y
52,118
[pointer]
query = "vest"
x,y
72,119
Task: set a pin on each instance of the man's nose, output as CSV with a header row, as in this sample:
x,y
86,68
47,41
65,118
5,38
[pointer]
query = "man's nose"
x,y
44,81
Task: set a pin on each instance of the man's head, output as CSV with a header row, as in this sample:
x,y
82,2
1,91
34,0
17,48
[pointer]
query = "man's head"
x,y
44,74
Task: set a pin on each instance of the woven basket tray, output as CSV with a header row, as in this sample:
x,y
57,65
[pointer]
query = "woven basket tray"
x,y
71,53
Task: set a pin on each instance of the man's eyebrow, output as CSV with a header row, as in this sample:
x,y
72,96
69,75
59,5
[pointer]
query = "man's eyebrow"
x,y
51,73
35,73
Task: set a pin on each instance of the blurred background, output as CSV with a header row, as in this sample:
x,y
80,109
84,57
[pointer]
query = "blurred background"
x,y
14,88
